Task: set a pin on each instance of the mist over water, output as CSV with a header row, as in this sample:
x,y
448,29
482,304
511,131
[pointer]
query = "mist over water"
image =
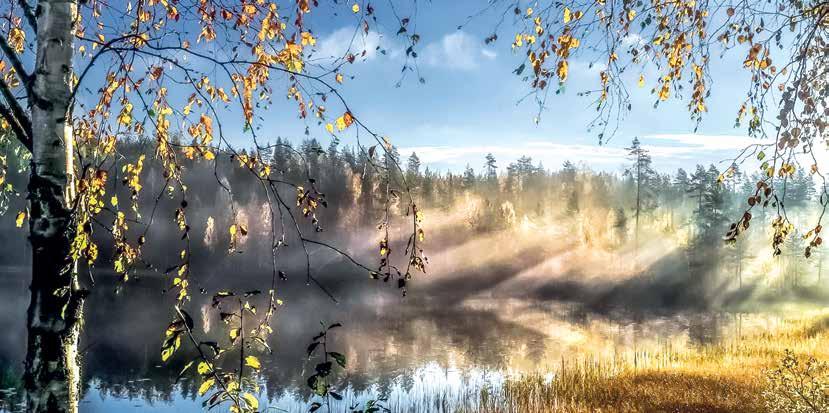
x,y
518,282
414,351
491,306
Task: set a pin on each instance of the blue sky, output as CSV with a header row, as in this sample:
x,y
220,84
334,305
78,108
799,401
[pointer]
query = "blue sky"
x,y
469,105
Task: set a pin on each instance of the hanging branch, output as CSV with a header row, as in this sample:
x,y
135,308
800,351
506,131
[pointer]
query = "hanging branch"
x,y
29,13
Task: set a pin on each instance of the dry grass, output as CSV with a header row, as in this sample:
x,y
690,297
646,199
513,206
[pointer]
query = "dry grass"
x,y
726,377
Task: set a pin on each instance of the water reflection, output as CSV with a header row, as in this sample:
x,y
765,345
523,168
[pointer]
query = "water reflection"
x,y
418,354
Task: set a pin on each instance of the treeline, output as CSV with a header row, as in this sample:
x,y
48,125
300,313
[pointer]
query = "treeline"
x,y
361,185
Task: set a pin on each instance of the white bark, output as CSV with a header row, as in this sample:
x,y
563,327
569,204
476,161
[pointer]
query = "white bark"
x,y
52,376
51,121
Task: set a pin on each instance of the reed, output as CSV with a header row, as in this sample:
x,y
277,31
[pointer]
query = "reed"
x,y
729,376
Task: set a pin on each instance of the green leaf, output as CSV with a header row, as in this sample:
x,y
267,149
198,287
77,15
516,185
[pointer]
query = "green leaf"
x,y
340,358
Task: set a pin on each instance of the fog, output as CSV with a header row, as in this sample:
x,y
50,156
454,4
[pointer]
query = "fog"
x,y
517,255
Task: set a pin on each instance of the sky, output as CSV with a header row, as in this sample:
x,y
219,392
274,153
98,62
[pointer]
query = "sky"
x,y
471,102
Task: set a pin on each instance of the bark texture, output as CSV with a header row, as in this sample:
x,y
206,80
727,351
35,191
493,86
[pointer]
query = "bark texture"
x,y
54,318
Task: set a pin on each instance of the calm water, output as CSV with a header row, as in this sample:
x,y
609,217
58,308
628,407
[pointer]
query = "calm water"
x,y
420,355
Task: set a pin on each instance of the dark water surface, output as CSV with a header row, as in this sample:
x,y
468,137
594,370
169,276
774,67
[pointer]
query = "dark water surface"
x,y
418,354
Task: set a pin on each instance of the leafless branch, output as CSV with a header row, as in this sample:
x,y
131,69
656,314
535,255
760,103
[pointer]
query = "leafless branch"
x,y
18,130
29,13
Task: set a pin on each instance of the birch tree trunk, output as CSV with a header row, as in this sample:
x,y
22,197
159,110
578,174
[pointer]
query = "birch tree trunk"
x,y
52,374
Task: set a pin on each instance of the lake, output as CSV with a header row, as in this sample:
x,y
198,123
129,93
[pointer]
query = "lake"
x,y
417,354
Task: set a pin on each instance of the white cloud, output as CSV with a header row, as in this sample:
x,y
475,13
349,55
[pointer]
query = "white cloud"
x,y
581,67
668,150
695,142
348,40
632,39
551,154
489,54
457,50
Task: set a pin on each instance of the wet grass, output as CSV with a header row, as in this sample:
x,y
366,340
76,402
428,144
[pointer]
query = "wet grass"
x,y
726,377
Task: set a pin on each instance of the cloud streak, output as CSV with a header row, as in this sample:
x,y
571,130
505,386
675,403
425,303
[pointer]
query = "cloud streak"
x,y
707,142
546,152
668,150
458,50
349,40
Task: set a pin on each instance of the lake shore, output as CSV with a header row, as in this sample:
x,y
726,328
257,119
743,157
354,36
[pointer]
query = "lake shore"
x,y
729,376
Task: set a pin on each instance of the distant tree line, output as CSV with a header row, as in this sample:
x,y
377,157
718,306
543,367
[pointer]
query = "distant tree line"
x,y
602,209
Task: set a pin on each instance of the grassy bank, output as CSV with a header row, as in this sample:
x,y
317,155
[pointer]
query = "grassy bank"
x,y
730,376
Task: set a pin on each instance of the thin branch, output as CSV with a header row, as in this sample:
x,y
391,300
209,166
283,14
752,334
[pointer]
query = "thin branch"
x,y
16,110
203,356
338,251
30,15
18,130
16,63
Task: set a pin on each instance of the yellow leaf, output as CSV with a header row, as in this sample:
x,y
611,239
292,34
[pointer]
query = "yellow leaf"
x,y
114,200
329,127
341,124
19,220
166,353
253,362
562,70
251,401
665,91
17,39
307,38
339,78
529,11
203,368
631,14
125,118
232,229
206,385
355,8
567,15
189,152
641,81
